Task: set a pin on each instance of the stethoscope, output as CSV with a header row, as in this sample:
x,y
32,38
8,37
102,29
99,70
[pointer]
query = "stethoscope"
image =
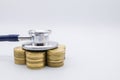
x,y
39,40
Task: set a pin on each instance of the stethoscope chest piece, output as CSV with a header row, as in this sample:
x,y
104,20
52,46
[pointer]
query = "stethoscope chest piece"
x,y
39,41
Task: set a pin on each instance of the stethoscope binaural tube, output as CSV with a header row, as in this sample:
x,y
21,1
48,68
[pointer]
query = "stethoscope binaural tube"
x,y
12,37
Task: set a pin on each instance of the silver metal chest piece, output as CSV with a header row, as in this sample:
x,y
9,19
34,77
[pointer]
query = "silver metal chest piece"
x,y
39,41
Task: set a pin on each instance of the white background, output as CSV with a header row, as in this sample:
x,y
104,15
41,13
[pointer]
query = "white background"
x,y
89,28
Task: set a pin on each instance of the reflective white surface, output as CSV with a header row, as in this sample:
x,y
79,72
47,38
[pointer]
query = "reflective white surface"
x,y
89,28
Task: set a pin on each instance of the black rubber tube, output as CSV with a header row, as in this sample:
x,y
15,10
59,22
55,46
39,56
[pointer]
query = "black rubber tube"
x,y
13,37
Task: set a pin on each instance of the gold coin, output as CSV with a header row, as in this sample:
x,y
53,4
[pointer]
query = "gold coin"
x,y
35,66
58,61
55,64
35,61
19,61
35,55
56,51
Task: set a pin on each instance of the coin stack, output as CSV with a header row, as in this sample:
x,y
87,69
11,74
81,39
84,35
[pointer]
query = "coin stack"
x,y
55,57
35,60
19,55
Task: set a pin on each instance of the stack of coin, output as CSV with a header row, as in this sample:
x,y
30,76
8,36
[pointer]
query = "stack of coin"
x,y
35,60
55,57
19,55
